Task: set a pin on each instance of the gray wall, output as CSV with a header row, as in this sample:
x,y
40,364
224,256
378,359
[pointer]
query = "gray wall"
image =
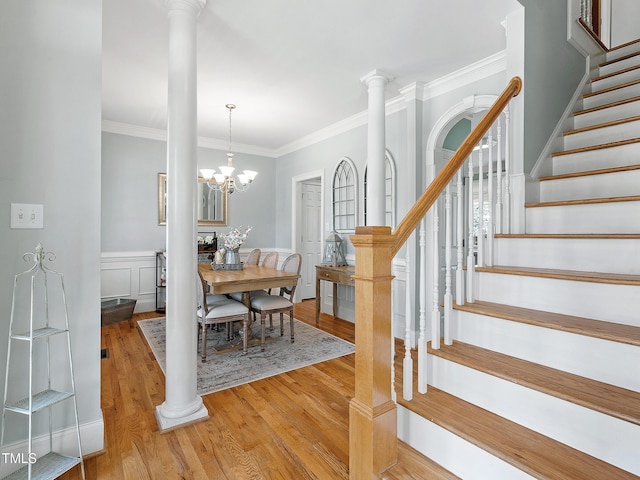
x,y
50,109
553,70
130,167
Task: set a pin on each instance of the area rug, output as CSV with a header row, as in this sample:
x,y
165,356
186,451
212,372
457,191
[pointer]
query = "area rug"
x,y
233,368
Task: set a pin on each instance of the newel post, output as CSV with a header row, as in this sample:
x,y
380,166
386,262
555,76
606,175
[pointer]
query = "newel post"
x,y
373,439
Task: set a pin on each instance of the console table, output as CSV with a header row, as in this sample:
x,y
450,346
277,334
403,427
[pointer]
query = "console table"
x,y
336,275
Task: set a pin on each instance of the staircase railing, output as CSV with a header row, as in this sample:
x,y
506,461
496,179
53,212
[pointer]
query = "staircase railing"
x,y
372,412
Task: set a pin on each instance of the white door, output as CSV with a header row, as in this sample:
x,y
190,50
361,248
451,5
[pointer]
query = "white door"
x,y
310,237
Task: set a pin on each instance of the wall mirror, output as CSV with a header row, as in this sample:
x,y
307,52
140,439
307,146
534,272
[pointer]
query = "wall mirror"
x,y
212,204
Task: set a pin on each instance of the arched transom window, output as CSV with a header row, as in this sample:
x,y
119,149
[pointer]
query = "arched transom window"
x,y
344,196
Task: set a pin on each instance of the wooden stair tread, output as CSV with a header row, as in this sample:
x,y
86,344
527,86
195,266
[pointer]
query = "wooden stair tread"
x,y
612,236
586,173
613,74
421,467
531,452
607,105
575,275
619,59
612,89
596,147
609,399
615,332
612,123
584,201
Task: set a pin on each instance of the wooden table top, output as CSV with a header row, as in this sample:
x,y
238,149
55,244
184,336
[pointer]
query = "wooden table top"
x,y
251,277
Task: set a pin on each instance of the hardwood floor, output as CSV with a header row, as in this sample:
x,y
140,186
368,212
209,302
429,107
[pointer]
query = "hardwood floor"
x,y
291,426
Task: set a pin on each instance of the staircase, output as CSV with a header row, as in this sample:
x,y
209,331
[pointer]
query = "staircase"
x,y
543,377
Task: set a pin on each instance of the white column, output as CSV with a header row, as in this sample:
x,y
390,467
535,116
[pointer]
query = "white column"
x,y
376,82
182,403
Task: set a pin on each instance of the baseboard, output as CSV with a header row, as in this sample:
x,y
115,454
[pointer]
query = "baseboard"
x,y
64,441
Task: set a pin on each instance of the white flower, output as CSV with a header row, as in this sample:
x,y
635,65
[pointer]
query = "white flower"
x,y
234,239
200,240
208,239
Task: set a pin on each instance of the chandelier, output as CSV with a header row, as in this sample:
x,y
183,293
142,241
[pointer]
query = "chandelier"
x,y
224,180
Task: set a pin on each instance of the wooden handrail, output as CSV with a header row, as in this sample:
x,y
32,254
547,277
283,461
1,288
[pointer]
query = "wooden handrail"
x,y
435,189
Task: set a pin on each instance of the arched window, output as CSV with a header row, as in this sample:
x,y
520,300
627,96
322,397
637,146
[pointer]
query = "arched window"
x,y
389,191
344,196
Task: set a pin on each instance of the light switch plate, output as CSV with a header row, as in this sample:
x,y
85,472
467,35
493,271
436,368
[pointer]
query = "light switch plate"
x,y
26,215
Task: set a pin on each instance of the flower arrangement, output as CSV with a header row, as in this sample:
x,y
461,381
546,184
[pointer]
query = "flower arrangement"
x,y
235,238
207,243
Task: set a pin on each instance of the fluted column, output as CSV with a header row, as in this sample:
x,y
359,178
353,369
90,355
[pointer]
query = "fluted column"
x,y
182,403
376,82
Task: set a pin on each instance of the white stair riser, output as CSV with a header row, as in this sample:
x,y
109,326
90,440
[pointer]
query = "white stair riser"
x,y
446,449
619,79
599,301
617,184
619,65
616,363
604,115
621,156
612,217
612,96
613,133
588,255
610,439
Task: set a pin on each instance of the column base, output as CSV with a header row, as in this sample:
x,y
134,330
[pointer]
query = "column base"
x,y
168,423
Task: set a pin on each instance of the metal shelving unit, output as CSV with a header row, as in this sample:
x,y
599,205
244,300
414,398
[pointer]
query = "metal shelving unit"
x,y
44,325
161,282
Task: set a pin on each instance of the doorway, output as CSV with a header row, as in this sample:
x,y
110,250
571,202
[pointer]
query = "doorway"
x,y
307,232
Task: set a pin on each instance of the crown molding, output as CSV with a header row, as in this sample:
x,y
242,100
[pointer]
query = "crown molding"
x,y
471,73
110,126
416,91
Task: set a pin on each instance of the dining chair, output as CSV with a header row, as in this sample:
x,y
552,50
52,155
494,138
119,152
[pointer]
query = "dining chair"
x,y
266,304
270,261
216,310
254,257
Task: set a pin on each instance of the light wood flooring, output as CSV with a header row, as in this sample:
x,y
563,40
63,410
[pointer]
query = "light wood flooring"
x,y
291,426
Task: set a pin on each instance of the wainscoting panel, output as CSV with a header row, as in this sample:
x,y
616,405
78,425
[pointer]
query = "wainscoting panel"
x,y
129,275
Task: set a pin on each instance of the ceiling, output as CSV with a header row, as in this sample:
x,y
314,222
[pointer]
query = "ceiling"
x,y
292,67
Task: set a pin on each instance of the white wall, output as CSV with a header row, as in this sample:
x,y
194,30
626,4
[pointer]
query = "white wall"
x,y
50,97
130,167
624,21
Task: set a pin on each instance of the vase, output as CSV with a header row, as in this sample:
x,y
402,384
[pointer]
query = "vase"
x,y
232,257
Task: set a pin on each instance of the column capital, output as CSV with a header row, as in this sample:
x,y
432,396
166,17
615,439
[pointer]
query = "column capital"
x,y
377,76
197,5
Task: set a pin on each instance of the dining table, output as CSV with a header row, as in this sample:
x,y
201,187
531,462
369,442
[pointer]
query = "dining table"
x,y
251,277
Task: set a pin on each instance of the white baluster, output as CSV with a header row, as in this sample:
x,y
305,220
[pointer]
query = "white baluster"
x,y
407,363
422,338
448,296
499,176
471,262
507,163
489,223
435,312
480,260
460,240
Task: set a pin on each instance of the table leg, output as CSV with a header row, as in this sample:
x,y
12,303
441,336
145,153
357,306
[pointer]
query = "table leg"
x,y
335,300
317,301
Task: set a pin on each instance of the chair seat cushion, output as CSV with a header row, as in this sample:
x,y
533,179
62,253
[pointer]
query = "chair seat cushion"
x,y
213,297
238,295
270,302
225,308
